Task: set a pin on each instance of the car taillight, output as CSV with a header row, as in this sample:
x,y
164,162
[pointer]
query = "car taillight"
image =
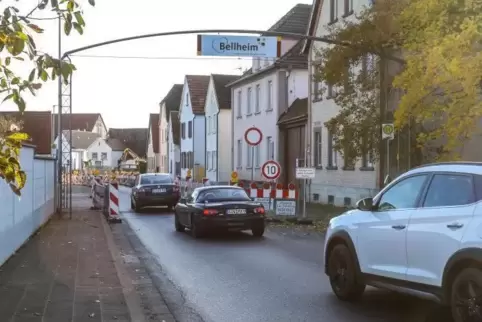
x,y
259,210
210,212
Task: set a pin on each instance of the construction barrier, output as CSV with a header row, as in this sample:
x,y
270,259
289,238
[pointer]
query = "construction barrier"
x,y
105,197
283,201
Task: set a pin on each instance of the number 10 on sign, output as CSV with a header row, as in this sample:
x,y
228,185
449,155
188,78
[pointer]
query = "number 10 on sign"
x,y
271,170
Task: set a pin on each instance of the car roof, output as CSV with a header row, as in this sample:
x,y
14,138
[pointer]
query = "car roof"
x,y
460,166
154,174
206,188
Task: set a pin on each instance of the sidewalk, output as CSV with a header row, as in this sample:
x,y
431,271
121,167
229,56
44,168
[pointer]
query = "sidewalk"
x,y
73,270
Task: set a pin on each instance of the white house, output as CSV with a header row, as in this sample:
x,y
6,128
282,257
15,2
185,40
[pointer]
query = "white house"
x,y
266,91
81,140
174,143
90,122
335,182
169,103
105,153
219,129
153,143
193,131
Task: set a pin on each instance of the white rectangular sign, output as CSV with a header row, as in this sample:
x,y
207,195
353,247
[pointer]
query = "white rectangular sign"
x,y
305,173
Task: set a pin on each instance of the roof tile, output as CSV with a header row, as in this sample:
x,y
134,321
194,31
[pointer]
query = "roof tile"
x,y
134,139
77,121
198,88
223,93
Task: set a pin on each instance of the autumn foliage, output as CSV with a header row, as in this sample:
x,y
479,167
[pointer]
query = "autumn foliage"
x,y
17,48
434,70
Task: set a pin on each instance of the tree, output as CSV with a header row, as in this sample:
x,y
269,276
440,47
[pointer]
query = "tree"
x,y
439,81
17,47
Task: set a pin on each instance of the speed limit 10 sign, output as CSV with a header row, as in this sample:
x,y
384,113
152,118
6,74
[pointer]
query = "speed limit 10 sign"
x,y
271,170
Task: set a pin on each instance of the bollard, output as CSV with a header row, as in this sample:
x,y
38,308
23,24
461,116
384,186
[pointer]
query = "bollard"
x,y
113,212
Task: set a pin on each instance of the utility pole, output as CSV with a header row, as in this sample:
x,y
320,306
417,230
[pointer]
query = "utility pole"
x,y
383,157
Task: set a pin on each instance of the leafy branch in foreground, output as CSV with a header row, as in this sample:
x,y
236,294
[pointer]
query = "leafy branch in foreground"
x,y
18,49
439,85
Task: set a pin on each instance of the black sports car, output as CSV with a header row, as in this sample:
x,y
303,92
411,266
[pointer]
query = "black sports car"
x,y
219,207
154,189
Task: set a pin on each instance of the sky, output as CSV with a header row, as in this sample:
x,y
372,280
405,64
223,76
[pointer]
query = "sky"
x,y
126,90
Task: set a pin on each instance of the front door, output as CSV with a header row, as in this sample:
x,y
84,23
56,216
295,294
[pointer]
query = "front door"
x,y
381,243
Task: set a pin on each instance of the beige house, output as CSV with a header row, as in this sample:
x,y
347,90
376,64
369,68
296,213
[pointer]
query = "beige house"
x,y
170,103
334,183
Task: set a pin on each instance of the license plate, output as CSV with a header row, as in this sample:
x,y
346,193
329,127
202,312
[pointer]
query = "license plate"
x,y
158,190
236,211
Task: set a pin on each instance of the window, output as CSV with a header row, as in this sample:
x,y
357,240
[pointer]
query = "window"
x,y
447,190
189,129
209,125
333,11
258,97
270,148
94,155
318,146
156,179
183,130
239,149
270,96
348,7
187,99
209,165
182,160
332,153
248,102
215,123
257,156
214,161
249,154
103,156
403,194
220,194
239,109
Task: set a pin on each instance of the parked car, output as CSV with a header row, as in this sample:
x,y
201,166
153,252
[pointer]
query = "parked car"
x,y
219,207
154,189
422,232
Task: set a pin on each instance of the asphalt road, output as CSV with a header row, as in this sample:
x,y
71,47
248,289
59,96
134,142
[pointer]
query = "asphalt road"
x,y
235,277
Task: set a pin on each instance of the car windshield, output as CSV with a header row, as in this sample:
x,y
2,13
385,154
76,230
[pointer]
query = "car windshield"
x,y
156,179
223,194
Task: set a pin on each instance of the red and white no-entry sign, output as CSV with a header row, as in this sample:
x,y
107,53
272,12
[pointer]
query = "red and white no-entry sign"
x,y
271,170
253,136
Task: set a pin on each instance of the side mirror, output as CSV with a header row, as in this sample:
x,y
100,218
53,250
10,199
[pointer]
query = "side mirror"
x,y
365,204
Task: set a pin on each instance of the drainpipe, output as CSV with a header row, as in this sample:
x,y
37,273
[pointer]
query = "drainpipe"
x,y
309,122
217,145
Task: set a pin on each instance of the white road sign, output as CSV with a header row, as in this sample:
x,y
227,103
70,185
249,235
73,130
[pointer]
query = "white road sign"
x,y
271,170
305,173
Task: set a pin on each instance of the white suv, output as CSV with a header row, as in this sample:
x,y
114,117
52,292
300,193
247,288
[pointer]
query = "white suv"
x,y
422,232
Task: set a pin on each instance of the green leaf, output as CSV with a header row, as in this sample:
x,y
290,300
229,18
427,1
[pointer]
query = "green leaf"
x,y
44,76
66,70
36,86
92,3
35,28
67,27
70,5
31,77
15,189
78,27
16,46
54,3
79,18
15,81
9,96
7,61
18,136
21,35
19,58
21,179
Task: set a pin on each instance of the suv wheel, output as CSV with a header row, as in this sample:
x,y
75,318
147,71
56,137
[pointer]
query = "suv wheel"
x,y
466,296
343,274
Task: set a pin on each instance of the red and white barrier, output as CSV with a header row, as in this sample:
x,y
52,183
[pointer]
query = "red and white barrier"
x,y
114,201
267,192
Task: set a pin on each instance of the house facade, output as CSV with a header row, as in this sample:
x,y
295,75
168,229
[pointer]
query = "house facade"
x,y
219,129
192,121
105,153
174,144
80,142
153,144
264,93
170,103
335,182
91,122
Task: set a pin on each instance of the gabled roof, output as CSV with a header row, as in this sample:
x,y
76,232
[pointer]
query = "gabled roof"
x,y
38,125
223,93
298,111
134,139
80,139
314,17
115,144
176,127
294,21
198,88
77,121
172,99
154,131
293,59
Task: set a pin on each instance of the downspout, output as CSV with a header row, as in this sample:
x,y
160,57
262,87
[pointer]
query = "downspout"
x,y
217,145
232,128
309,123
